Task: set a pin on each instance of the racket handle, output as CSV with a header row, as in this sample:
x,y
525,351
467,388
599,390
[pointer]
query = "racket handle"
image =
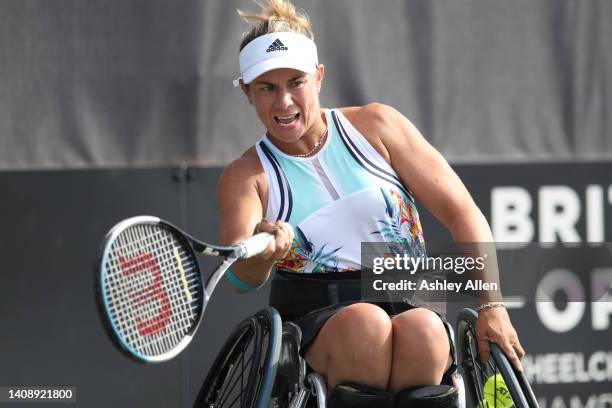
x,y
255,245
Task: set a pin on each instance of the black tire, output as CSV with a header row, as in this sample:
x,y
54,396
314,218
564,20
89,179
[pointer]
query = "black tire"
x,y
291,367
475,373
243,372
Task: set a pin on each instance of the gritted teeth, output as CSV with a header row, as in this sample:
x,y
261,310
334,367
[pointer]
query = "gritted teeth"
x,y
287,119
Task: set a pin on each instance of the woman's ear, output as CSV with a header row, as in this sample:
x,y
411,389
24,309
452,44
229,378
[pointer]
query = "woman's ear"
x,y
245,88
319,76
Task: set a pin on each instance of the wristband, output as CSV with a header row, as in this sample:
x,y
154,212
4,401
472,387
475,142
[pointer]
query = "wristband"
x,y
240,284
485,306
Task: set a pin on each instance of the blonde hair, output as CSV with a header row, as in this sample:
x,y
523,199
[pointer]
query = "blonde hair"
x,y
275,16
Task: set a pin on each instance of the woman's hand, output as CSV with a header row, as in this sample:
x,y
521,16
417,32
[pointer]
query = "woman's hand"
x,y
283,237
493,324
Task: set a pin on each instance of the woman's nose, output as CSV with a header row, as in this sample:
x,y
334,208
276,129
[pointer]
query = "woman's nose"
x,y
284,99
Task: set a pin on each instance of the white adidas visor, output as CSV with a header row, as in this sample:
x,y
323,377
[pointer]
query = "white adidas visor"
x,y
277,50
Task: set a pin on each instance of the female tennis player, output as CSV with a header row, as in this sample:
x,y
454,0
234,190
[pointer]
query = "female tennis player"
x,y
322,181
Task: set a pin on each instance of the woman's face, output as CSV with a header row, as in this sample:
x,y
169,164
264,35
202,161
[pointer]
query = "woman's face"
x,y
287,102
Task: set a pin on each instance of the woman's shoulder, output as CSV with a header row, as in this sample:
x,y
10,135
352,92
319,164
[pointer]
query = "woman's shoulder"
x,y
372,121
371,114
246,167
247,162
246,175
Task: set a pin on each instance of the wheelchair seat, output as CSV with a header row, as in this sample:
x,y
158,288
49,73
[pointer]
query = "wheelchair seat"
x,y
278,377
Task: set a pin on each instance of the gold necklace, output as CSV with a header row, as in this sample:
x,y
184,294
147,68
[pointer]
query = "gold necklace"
x,y
316,146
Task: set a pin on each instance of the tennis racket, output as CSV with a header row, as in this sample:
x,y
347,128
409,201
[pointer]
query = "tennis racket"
x,y
149,287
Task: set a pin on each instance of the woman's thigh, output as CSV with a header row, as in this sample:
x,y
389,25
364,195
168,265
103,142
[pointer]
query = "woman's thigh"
x,y
354,345
421,349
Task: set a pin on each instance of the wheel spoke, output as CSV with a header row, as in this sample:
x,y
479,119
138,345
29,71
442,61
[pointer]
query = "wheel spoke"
x,y
226,379
234,401
233,386
236,378
476,366
237,365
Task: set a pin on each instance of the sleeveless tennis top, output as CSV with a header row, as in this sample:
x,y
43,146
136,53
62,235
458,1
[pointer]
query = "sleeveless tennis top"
x,y
343,195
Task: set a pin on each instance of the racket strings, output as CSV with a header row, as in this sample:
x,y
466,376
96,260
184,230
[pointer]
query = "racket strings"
x,y
139,281
153,289
175,331
176,327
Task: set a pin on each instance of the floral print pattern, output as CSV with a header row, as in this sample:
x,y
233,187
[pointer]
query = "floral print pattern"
x,y
402,226
304,257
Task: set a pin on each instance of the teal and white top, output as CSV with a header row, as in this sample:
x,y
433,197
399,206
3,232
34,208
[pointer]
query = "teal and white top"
x,y
343,195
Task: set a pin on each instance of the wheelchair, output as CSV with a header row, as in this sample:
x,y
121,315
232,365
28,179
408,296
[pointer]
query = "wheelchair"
x,y
260,366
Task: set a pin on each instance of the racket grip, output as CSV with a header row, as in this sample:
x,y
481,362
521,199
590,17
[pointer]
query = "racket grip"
x,y
255,245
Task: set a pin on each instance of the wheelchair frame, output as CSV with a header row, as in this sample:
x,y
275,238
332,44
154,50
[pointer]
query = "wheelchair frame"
x,y
267,350
475,373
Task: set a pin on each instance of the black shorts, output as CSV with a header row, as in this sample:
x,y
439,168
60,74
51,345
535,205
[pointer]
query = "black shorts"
x,y
310,299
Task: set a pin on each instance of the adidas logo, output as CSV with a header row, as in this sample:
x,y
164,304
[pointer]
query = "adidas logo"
x,y
277,45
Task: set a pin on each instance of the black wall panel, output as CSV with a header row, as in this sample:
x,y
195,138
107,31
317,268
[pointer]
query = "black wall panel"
x,y
52,225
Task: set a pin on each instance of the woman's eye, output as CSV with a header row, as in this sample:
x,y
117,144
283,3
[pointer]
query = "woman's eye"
x,y
297,84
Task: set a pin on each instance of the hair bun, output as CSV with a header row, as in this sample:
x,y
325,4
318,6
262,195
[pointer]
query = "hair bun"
x,y
275,16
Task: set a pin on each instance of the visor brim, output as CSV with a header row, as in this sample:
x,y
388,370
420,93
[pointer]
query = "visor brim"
x,y
264,66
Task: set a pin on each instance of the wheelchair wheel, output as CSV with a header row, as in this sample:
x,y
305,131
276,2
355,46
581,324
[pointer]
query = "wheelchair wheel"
x,y
243,373
475,373
291,370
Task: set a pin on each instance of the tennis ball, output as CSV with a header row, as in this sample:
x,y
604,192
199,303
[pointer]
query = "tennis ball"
x,y
496,392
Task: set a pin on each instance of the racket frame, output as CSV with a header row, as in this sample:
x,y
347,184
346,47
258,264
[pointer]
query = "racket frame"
x,y
101,291
231,254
